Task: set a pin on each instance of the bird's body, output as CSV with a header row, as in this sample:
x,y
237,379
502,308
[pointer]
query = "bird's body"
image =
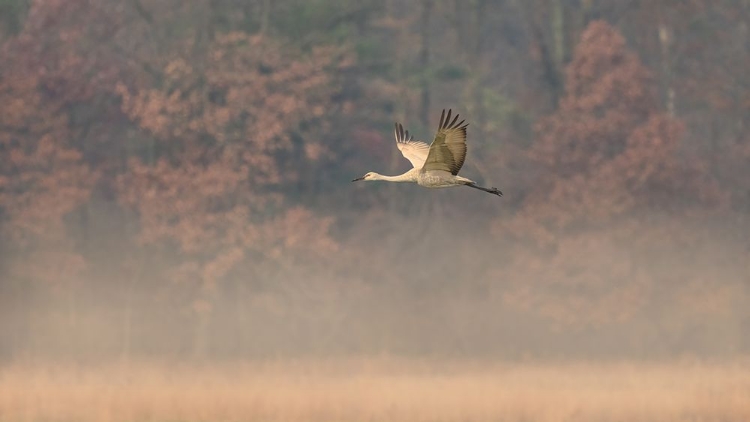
x,y
428,179
435,165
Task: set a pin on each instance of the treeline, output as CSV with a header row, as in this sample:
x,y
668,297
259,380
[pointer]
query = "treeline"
x,y
174,178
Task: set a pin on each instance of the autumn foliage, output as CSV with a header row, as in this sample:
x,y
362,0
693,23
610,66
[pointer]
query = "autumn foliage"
x,y
174,176
609,175
226,125
43,177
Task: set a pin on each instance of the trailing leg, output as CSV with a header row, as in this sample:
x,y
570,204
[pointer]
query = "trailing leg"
x,y
494,191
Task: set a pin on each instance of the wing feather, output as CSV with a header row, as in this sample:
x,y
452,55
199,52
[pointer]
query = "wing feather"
x,y
414,151
448,150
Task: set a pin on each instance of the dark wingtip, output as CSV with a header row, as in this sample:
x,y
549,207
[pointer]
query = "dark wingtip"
x,y
399,132
453,123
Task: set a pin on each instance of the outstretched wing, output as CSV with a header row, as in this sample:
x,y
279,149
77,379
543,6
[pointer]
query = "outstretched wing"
x,y
414,151
448,150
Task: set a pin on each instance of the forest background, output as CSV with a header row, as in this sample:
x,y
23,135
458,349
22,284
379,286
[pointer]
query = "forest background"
x,y
174,179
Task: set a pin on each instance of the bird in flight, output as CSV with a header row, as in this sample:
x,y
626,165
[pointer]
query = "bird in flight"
x,y
435,165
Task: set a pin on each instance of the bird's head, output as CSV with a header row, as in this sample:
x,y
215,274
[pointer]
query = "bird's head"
x,y
369,176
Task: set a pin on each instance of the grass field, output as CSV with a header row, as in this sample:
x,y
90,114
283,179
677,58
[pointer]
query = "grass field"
x,y
379,390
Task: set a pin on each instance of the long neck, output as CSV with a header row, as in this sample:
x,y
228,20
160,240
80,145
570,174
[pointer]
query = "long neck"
x,y
406,177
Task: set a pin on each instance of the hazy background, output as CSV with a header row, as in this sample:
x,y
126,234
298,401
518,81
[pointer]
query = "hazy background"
x,y
174,179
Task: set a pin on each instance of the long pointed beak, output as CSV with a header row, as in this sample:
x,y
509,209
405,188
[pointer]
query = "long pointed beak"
x,y
358,179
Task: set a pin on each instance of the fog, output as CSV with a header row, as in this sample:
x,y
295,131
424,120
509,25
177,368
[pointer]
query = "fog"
x,y
427,284
175,181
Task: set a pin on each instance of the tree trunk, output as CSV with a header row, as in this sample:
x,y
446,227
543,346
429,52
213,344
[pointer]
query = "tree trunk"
x,y
424,59
666,66
480,115
203,319
127,316
264,16
550,73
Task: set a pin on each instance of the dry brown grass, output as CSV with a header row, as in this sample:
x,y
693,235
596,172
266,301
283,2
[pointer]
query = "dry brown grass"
x,y
379,390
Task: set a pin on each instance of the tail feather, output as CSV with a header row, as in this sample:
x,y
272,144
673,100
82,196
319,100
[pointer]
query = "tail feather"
x,y
494,191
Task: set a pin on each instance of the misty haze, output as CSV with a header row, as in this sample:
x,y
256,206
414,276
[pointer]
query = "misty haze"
x,y
180,238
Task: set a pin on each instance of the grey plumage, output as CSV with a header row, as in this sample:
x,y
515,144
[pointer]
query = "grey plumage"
x,y
435,165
